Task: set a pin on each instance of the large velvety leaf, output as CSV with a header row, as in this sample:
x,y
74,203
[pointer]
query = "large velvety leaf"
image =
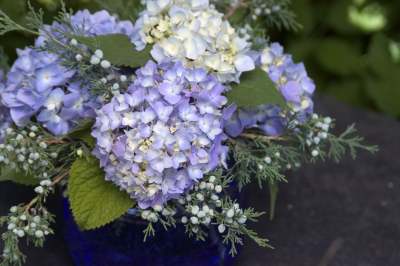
x,y
83,132
255,89
118,49
94,201
6,174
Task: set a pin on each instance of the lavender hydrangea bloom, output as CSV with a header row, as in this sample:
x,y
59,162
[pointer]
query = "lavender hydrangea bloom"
x,y
38,86
267,118
291,79
295,86
195,33
164,134
100,23
30,82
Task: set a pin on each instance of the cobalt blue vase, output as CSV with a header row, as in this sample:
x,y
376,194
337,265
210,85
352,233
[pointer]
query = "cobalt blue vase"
x,y
121,244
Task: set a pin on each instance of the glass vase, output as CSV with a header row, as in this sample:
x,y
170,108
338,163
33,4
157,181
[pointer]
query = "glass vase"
x,y
121,244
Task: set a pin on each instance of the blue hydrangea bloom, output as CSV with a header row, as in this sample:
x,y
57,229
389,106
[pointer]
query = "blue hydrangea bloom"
x,y
293,83
291,79
266,118
164,134
38,86
100,23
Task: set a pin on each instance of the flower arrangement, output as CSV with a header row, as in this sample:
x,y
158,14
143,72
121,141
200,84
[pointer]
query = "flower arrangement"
x,y
164,115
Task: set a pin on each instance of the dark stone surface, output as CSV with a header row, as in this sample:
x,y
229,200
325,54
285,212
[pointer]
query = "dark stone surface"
x,y
328,215
338,214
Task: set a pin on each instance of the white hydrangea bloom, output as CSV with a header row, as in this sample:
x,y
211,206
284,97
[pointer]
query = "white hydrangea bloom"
x,y
194,32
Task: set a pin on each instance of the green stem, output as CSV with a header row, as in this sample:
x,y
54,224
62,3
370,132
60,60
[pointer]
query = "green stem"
x,y
273,195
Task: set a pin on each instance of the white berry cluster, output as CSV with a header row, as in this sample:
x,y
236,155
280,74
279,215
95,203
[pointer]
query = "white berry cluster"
x,y
234,216
114,81
97,58
202,203
246,32
269,160
44,188
262,9
205,206
26,150
194,32
157,213
21,222
318,133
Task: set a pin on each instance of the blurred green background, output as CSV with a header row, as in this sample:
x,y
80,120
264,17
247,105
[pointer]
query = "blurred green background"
x,y
351,48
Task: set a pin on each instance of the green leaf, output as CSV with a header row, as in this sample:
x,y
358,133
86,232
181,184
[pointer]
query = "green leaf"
x,y
338,17
383,79
7,174
255,89
238,16
370,18
118,49
379,58
4,66
15,9
95,202
339,56
385,93
126,10
83,132
273,196
305,15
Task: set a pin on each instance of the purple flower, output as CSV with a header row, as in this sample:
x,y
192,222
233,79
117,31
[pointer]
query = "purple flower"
x,y
158,139
295,86
291,78
99,23
39,87
266,118
30,83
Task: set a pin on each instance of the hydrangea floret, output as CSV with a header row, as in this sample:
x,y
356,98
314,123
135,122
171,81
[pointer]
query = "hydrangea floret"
x,y
38,84
293,83
290,78
164,134
195,33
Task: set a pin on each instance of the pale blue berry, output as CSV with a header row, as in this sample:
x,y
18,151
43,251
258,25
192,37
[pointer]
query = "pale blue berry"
x,y
221,228
99,53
